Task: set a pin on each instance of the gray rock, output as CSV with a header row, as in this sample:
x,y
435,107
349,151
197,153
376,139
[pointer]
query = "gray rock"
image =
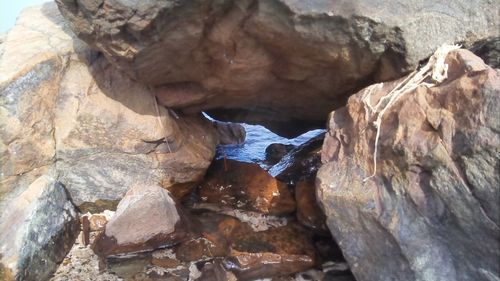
x,y
431,212
488,50
272,62
37,230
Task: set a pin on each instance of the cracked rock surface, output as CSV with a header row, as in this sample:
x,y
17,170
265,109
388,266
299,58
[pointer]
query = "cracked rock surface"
x,y
432,210
65,111
271,62
37,230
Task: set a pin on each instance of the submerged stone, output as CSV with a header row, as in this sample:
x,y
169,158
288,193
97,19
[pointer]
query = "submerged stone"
x,y
274,252
245,186
216,234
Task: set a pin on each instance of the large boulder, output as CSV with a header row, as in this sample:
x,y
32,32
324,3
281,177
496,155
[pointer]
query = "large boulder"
x,y
431,211
64,108
274,61
37,230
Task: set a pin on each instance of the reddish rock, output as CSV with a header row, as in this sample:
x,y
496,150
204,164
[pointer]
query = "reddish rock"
x,y
165,262
84,220
146,218
278,62
431,210
251,266
277,251
245,186
290,239
308,211
217,232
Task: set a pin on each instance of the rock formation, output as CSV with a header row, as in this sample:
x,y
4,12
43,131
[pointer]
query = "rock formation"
x,y
37,229
65,109
104,103
431,212
271,62
245,186
147,218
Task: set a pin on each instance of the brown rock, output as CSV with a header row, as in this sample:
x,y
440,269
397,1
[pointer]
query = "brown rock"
x,y
273,61
166,262
290,239
432,210
85,230
146,218
251,266
97,222
245,186
229,133
277,251
217,232
301,163
308,211
63,103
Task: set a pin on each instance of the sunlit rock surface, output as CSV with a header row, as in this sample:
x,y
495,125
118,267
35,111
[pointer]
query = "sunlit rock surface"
x,y
431,212
271,62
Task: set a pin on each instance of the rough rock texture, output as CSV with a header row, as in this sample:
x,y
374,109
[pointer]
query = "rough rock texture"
x,y
41,217
64,108
308,211
301,163
230,133
217,231
488,50
274,61
146,218
277,251
432,210
245,186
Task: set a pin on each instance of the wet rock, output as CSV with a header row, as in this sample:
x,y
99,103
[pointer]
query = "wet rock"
x,y
245,186
276,151
431,212
63,103
308,211
37,230
290,239
215,271
301,162
251,266
166,262
282,61
229,133
146,218
216,234
129,267
274,252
